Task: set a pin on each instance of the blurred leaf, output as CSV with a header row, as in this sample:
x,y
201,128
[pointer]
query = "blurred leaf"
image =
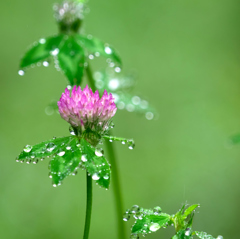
x,y
95,46
235,139
71,60
41,50
96,164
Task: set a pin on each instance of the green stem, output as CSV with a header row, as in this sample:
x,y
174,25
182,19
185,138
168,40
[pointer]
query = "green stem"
x,y
88,207
115,176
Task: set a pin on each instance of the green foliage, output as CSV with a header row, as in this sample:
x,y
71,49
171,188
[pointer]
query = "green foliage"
x,y
151,220
70,54
235,139
68,154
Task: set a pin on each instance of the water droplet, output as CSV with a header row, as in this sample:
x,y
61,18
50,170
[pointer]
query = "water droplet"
x,y
78,145
61,153
108,50
123,141
55,52
28,161
50,175
97,54
27,148
136,100
187,232
99,152
50,147
126,216
149,115
45,63
143,104
49,110
135,209
131,144
117,69
21,72
106,176
71,130
157,210
110,139
95,176
42,158
42,41
134,236
111,125
111,64
17,160
68,148
113,84
121,105
74,172
154,227
130,107
54,185
84,158
91,57
220,237
35,161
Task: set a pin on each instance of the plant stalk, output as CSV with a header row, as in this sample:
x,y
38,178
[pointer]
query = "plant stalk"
x,y
88,207
115,176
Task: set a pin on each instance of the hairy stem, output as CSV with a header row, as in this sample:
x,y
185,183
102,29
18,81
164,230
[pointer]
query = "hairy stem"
x,y
115,176
88,207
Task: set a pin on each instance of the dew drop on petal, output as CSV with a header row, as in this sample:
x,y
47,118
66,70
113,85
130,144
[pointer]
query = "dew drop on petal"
x,y
95,176
21,72
27,148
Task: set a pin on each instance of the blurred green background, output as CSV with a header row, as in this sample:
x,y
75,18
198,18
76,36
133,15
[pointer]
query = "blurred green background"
x,y
187,57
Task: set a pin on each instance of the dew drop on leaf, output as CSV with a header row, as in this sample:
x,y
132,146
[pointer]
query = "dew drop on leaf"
x,y
108,50
61,153
99,152
154,227
50,147
149,115
27,148
131,144
117,69
135,209
42,41
123,141
55,52
157,210
35,161
71,130
45,63
95,176
106,176
134,236
84,158
21,72
126,216
220,237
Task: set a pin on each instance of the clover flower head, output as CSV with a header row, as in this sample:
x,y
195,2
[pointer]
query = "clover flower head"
x,y
69,11
85,110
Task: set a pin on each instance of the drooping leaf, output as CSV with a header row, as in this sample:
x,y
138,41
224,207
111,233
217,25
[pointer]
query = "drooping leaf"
x,y
95,46
71,60
96,164
204,235
41,50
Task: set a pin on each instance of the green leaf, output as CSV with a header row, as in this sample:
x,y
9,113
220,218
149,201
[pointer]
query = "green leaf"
x,y
45,149
96,164
150,223
190,209
71,60
95,46
41,50
203,235
68,154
